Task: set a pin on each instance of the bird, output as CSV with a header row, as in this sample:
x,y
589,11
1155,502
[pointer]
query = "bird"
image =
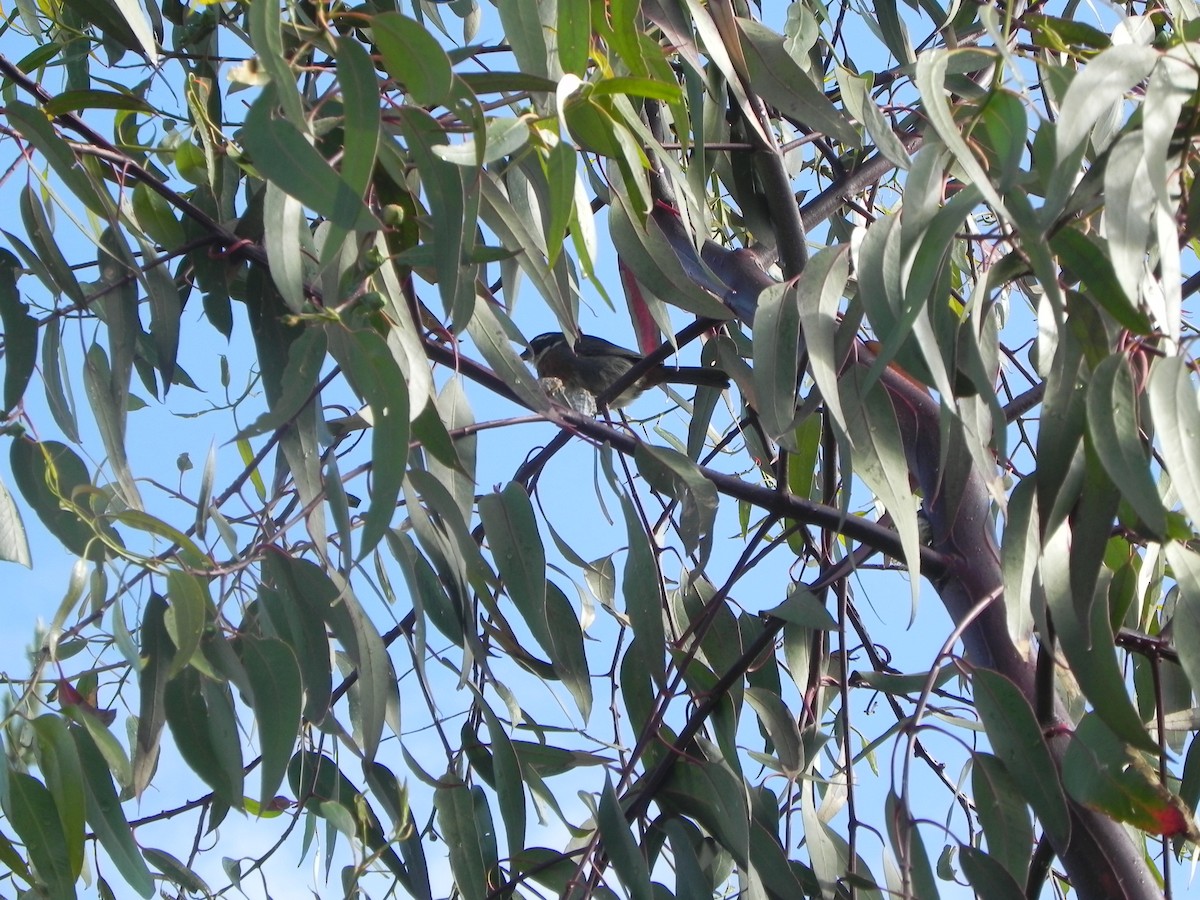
x,y
593,365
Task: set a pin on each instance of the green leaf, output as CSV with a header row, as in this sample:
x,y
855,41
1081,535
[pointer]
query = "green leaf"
x,y
504,137
305,357
367,360
621,847
566,648
47,474
989,878
108,397
312,587
360,99
36,128
71,101
574,35
166,308
303,631
524,31
672,473
186,617
780,723
59,762
156,653
156,217
413,57
1002,814
452,210
284,157
826,851
641,585
58,396
905,837
1090,260
776,357
506,777
1185,567
140,26
322,787
786,86
175,871
803,608
1100,84
1017,739
1112,417
275,679
1176,416
50,256
20,334
878,458
107,819
201,717
1102,772
33,813
516,546
14,544
266,38
472,855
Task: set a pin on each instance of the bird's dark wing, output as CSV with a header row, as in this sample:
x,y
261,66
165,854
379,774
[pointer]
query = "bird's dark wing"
x,y
590,345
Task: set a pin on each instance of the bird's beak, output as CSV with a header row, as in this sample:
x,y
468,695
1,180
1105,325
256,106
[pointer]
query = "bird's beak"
x,y
527,354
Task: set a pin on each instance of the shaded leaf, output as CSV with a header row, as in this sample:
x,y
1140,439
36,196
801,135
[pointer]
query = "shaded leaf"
x,y
201,717
1002,814
275,679
33,813
175,871
621,847
472,851
413,57
674,474
186,617
107,819
284,157
20,334
1018,742
375,376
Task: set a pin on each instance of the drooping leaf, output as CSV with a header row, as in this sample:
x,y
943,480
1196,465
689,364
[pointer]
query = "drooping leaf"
x,y
1103,772
20,334
1003,815
203,723
284,157
373,372
14,545
275,679
59,762
1019,744
33,813
621,847
678,477
472,848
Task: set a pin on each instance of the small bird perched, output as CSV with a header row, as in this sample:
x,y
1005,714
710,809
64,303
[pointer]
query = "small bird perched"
x,y
594,364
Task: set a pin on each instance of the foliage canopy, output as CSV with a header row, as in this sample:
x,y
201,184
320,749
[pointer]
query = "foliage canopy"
x,y
943,254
